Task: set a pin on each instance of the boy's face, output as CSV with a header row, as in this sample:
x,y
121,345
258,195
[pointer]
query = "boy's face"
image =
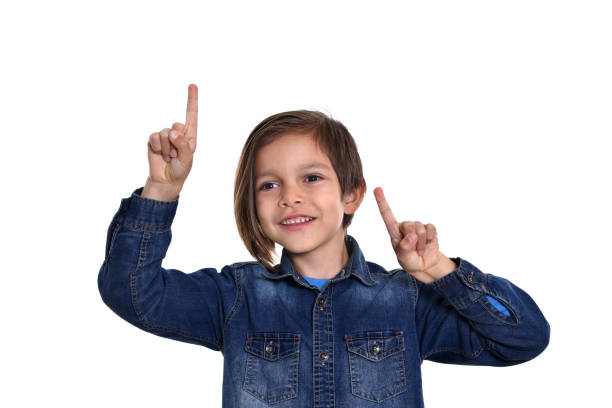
x,y
286,184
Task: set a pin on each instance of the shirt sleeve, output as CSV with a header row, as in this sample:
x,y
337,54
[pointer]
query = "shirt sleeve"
x,y
458,323
189,307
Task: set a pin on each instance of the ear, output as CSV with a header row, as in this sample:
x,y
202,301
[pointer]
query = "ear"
x,y
353,199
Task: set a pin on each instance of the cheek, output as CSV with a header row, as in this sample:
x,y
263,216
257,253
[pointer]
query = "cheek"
x,y
335,209
261,209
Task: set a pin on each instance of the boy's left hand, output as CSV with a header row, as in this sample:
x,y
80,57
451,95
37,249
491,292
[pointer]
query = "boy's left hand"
x,y
415,244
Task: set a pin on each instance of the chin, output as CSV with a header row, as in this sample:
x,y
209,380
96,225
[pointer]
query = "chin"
x,y
295,247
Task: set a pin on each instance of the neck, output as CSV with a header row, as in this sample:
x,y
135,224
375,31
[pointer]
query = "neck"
x,y
324,263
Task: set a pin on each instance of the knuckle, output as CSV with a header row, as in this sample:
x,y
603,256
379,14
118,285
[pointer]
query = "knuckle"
x,y
404,245
154,141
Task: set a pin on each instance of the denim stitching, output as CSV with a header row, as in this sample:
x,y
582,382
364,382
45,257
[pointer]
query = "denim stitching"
x,y
115,226
515,311
247,376
296,370
293,365
353,376
314,352
134,292
416,291
275,336
369,275
151,201
111,242
397,361
483,291
473,356
498,314
332,393
237,274
140,226
316,344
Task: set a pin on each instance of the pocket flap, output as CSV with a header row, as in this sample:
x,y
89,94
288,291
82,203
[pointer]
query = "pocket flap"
x,y
272,346
375,345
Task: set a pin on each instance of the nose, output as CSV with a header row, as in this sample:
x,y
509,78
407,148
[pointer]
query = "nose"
x,y
291,195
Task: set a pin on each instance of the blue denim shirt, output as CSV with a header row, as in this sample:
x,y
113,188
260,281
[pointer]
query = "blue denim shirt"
x,y
357,342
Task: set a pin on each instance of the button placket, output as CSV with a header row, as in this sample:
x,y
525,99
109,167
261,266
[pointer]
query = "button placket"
x,y
323,357
321,302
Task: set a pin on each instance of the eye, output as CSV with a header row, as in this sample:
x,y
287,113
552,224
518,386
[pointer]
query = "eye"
x,y
311,179
263,186
314,175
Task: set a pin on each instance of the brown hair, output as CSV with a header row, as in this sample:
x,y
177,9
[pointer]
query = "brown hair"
x,y
329,135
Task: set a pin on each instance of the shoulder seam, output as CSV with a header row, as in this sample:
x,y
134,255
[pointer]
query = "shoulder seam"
x,y
237,273
385,272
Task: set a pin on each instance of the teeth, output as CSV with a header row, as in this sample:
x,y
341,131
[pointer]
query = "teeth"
x,y
296,220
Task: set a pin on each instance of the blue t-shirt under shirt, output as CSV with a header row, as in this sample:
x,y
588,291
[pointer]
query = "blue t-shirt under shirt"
x,y
320,282
316,282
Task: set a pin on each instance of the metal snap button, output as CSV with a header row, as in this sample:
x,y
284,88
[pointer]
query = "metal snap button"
x,y
270,348
470,277
375,348
321,302
323,356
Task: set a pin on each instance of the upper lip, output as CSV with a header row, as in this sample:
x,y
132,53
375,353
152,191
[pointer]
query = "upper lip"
x,y
296,216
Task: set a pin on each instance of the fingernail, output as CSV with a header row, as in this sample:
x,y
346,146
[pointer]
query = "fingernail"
x,y
173,153
173,135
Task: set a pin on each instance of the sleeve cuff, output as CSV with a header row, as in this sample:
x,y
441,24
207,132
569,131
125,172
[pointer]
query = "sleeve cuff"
x,y
145,213
462,286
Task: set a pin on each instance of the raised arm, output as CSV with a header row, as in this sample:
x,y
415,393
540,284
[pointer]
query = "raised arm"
x,y
188,307
463,316
459,322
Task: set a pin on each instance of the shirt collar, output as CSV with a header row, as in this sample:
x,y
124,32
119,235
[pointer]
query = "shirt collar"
x,y
356,265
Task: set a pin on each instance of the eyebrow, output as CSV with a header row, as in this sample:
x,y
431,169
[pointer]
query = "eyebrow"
x,y
308,166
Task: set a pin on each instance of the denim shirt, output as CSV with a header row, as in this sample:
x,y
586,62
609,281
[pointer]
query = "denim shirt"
x,y
357,342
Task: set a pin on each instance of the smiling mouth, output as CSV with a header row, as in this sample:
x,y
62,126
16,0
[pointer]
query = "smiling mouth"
x,y
297,225
302,221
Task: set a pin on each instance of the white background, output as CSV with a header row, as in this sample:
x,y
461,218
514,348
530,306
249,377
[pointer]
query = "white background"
x,y
488,119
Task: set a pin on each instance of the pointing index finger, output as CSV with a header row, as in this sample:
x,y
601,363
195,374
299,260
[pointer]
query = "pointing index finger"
x,y
387,214
192,109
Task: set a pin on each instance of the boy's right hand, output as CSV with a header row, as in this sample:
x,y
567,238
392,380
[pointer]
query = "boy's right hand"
x,y
170,160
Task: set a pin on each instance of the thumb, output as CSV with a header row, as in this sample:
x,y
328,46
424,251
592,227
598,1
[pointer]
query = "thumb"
x,y
181,144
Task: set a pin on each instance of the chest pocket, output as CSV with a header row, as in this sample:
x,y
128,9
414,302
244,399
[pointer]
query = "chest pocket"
x,y
272,360
377,364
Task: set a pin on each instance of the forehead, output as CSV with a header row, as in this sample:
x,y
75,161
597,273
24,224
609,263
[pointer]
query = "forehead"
x,y
290,152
